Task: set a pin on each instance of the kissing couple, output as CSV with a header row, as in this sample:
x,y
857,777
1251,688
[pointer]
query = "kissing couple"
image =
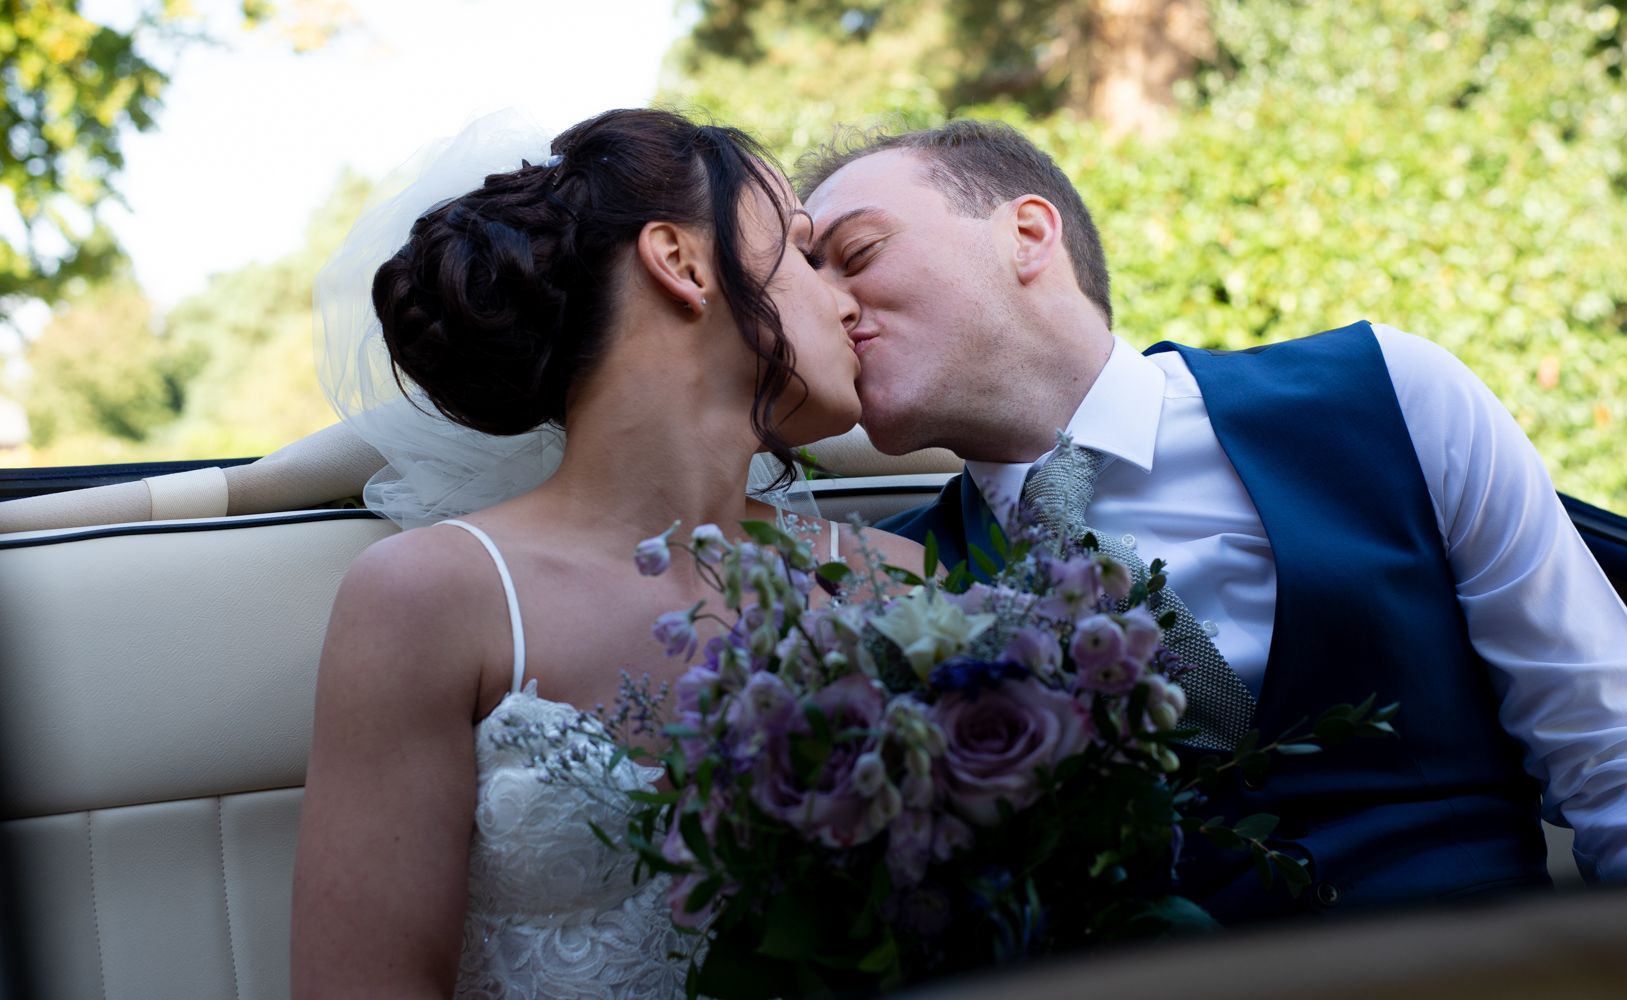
x,y
599,338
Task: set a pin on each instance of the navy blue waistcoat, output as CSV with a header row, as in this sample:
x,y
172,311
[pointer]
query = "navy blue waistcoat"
x,y
1366,604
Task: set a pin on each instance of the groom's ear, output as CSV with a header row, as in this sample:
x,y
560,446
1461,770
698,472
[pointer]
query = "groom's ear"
x,y
1036,230
675,258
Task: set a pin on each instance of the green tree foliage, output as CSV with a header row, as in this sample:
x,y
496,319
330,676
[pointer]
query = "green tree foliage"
x,y
69,88
231,373
1455,169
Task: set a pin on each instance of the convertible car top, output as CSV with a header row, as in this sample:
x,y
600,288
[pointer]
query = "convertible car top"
x,y
160,627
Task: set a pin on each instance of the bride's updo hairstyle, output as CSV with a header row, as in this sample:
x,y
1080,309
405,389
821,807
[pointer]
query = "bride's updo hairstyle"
x,y
500,300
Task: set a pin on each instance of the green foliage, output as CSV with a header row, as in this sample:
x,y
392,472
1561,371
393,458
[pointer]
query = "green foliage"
x,y
1454,169
67,88
231,375
103,373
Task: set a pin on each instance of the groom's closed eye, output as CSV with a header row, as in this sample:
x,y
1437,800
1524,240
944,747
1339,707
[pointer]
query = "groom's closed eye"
x,y
853,249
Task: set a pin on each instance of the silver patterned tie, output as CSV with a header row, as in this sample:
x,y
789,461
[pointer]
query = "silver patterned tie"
x,y
1218,705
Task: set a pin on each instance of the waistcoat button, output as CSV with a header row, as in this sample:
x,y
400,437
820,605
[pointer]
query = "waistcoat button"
x,y
1210,629
1327,894
1129,541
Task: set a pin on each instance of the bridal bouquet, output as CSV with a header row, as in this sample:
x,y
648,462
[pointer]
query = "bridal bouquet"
x,y
916,776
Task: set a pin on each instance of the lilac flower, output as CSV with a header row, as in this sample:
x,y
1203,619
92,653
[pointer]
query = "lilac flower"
x,y
762,709
950,835
997,743
1075,585
708,544
1112,676
675,631
909,847
1115,577
651,556
698,685
1034,648
677,852
833,811
1141,634
1097,640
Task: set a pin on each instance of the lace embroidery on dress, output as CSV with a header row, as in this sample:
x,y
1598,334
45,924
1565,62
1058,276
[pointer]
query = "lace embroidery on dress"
x,y
552,911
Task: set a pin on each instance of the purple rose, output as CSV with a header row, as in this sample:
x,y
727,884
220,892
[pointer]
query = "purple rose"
x,y
1097,640
834,811
999,740
675,631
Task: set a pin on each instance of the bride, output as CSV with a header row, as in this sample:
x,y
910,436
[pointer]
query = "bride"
x,y
649,289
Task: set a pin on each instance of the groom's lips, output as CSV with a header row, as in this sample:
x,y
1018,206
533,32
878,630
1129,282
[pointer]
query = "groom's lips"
x,y
861,341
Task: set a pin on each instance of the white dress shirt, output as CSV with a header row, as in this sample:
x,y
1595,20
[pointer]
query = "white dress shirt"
x,y
1539,609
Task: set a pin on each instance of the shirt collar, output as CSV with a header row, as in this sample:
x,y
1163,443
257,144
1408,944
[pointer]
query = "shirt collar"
x,y
1118,417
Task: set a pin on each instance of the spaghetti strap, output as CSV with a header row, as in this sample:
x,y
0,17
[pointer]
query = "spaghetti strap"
x,y
508,591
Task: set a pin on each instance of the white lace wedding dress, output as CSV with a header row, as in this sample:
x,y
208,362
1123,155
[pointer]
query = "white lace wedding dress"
x,y
553,912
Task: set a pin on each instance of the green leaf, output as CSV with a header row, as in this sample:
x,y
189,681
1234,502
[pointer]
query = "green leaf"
x,y
1361,710
958,579
1374,729
1298,749
903,576
1292,869
761,532
1221,837
929,560
1167,620
1333,730
702,894
882,957
1248,742
689,827
1156,582
998,538
1255,827
1090,542
835,572
1387,713
603,837
791,929
1138,595
653,798
1262,864
982,560
733,972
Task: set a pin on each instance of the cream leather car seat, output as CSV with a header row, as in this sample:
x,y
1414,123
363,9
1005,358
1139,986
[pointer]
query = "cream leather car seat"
x,y
157,680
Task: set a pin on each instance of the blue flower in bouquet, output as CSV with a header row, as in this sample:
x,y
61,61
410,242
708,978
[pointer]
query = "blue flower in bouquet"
x,y
833,808
968,676
996,744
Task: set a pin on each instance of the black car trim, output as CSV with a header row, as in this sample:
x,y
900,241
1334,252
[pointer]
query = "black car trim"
x,y
202,524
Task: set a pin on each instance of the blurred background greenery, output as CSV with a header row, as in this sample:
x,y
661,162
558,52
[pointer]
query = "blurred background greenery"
x,y
1260,170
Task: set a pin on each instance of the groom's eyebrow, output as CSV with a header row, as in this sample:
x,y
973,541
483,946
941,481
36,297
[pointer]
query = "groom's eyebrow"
x,y
846,218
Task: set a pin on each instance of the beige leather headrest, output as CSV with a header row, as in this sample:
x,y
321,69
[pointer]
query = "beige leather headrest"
x,y
335,463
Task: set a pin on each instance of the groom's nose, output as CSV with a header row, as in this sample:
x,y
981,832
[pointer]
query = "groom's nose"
x,y
847,307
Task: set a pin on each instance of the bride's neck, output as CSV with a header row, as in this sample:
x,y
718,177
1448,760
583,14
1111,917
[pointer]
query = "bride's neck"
x,y
656,436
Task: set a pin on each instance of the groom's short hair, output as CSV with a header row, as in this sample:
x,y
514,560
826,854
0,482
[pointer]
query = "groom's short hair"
x,y
979,165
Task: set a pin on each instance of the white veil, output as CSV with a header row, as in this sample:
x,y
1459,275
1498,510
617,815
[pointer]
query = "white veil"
x,y
439,469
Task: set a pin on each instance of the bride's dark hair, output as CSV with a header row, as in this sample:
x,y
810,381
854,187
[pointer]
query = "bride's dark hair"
x,y
500,299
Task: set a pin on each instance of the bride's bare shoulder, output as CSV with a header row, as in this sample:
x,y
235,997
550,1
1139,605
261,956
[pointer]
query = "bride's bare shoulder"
x,y
898,550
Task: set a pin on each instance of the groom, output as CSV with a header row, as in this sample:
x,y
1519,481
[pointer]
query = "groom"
x,y
1348,514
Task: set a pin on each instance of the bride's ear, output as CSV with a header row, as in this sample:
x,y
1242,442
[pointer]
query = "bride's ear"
x,y
677,260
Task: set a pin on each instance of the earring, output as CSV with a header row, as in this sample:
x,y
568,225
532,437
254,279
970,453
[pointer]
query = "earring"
x,y
703,300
